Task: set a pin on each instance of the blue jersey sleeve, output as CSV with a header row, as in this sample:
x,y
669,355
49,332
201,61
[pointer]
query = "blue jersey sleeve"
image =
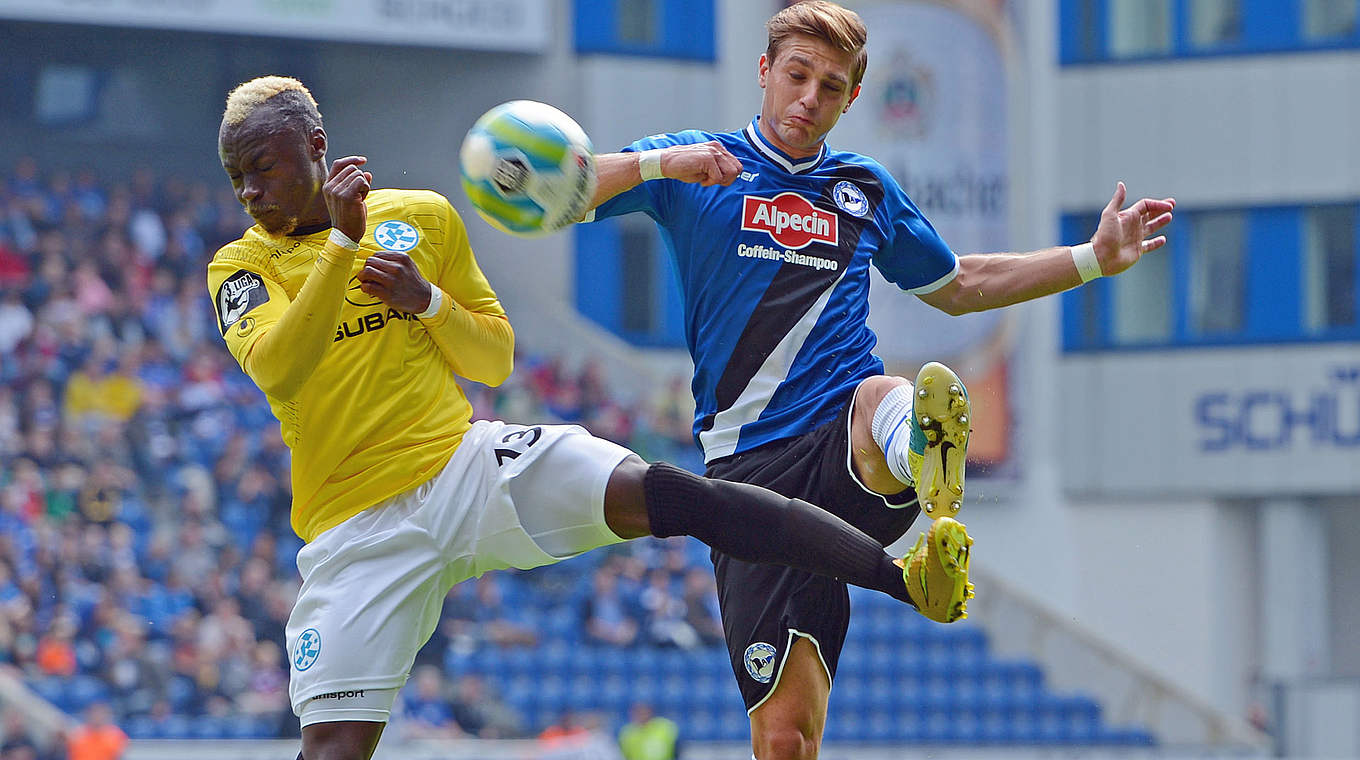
x,y
651,198
915,258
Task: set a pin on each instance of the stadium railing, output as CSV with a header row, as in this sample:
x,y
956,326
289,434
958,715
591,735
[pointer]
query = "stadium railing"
x,y
1132,693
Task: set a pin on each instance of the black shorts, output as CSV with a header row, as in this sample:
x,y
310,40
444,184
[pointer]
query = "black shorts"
x,y
764,606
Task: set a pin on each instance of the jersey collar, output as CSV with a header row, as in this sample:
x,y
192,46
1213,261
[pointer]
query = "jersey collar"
x,y
791,165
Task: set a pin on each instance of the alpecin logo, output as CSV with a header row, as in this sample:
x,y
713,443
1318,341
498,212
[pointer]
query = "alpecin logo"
x,y
790,219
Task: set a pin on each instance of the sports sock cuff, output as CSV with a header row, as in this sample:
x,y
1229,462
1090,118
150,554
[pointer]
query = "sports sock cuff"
x,y
892,428
671,499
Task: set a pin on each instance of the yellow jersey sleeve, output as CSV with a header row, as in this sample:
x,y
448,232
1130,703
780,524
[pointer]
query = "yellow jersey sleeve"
x,y
281,354
247,298
470,329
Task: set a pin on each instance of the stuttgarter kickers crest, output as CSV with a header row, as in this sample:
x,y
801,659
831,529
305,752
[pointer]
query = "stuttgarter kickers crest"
x,y
308,648
790,220
396,236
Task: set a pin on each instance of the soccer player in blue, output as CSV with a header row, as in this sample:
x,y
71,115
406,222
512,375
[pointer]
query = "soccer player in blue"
x,y
772,234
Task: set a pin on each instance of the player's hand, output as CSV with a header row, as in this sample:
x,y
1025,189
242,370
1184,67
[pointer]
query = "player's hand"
x,y
705,163
394,279
345,190
1122,236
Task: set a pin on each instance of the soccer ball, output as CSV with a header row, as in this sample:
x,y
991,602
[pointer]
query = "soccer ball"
x,y
528,168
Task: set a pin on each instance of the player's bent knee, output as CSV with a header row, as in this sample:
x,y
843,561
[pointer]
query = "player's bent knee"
x,y
785,743
872,390
625,499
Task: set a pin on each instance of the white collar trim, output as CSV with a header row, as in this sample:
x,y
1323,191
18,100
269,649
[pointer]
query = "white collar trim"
x,y
775,155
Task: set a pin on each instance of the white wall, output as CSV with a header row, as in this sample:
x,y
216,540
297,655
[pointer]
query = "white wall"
x,y
1233,130
1171,565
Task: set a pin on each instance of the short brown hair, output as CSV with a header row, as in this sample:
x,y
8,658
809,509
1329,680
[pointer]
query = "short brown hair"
x,y
826,21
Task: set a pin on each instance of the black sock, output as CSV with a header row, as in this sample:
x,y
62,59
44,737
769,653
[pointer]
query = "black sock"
x,y
756,524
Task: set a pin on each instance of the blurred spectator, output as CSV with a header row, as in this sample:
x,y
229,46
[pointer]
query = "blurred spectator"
x,y
664,614
16,321
476,615
56,655
481,713
648,736
701,606
607,621
97,738
425,705
570,729
577,736
96,393
16,742
131,668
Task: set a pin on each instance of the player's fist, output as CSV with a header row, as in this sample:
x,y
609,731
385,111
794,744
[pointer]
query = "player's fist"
x,y
394,279
346,187
706,163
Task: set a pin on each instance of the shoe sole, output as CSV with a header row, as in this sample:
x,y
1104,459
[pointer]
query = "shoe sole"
x,y
953,548
944,413
947,543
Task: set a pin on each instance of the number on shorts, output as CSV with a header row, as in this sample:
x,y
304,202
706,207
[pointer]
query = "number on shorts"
x,y
516,438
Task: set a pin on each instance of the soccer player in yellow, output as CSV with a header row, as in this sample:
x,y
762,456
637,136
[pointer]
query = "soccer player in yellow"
x,y
353,308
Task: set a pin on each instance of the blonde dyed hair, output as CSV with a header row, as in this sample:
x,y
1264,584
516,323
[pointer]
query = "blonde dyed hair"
x,y
289,97
826,21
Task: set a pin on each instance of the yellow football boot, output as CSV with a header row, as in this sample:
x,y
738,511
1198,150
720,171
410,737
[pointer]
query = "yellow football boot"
x,y
936,571
940,424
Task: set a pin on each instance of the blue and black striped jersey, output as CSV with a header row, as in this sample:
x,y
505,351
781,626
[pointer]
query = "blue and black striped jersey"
x,y
774,274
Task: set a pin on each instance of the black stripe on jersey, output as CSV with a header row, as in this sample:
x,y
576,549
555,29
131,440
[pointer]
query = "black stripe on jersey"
x,y
795,288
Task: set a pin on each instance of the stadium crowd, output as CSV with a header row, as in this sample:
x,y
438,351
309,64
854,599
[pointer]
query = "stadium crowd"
x,y
146,559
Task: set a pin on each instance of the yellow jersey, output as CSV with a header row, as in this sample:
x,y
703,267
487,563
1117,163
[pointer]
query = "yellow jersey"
x,y
381,412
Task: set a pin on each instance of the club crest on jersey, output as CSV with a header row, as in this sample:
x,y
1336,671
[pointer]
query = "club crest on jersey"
x,y
790,220
396,236
307,649
850,198
759,659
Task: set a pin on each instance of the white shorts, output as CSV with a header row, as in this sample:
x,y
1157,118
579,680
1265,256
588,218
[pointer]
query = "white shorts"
x,y
373,586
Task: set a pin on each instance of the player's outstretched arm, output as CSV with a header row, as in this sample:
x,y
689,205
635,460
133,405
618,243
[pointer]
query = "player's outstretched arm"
x,y
707,163
994,280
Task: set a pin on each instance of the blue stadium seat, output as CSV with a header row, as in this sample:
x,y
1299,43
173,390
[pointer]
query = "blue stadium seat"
x,y
178,727
615,694
1127,737
245,727
82,691
141,727
583,690
210,727
734,726
50,688
701,726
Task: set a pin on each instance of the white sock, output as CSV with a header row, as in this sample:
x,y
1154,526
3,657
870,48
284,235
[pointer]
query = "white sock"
x,y
891,430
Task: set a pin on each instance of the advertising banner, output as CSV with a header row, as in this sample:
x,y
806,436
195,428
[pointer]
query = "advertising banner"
x,y
1282,421
933,110
510,25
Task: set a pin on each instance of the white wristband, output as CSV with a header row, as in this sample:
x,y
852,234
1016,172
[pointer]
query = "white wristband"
x,y
436,300
342,240
649,164
1084,256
